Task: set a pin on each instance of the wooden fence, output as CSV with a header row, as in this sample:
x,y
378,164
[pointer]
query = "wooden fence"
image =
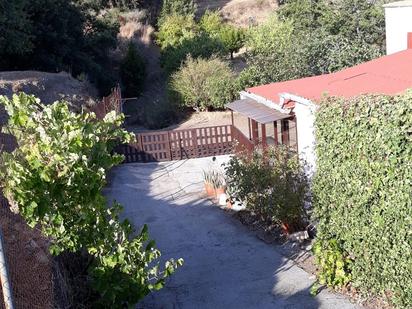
x,y
165,145
179,144
108,104
242,142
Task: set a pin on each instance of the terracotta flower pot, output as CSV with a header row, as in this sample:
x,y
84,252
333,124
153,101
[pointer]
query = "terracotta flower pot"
x,y
229,203
291,227
219,191
210,191
286,228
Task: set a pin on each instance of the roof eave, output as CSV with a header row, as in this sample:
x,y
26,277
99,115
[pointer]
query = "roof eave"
x,y
265,101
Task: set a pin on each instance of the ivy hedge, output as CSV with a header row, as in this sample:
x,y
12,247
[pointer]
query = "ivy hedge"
x,y
362,190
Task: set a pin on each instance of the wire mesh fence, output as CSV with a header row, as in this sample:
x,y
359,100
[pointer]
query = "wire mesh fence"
x,y
28,263
26,260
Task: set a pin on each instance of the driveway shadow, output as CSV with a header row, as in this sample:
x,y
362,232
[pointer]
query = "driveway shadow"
x,y
225,265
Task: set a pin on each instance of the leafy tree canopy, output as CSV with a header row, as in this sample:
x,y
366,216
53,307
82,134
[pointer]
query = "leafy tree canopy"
x,y
175,29
132,72
176,7
52,36
312,37
211,23
232,38
203,84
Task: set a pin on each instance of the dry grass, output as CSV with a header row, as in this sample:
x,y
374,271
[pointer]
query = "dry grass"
x,y
49,87
240,12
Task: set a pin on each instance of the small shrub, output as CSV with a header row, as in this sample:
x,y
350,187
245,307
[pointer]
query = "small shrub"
x,y
201,46
203,84
273,185
132,72
333,264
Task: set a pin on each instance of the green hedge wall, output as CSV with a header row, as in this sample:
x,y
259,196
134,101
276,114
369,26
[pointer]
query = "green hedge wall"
x,y
362,189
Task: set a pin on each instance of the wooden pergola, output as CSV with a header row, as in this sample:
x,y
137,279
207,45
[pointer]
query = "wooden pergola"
x,y
260,114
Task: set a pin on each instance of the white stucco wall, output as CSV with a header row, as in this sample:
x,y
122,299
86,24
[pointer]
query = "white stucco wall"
x,y
305,121
398,19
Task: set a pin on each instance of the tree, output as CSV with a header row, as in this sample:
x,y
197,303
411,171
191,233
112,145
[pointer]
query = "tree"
x,y
55,179
360,20
203,84
211,23
132,72
307,15
232,38
175,29
200,46
15,27
176,7
327,53
273,54
54,35
313,37
353,19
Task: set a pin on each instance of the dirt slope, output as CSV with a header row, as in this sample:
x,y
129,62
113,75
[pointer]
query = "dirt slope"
x,y
240,12
49,87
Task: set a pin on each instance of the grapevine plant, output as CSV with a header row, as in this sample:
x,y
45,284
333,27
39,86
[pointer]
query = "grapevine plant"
x,y
54,179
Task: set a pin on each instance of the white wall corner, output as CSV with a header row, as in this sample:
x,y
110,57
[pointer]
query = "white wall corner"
x,y
305,112
398,22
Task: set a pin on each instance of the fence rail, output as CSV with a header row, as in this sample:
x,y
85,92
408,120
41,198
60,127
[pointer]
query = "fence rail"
x,y
243,143
165,145
185,144
179,144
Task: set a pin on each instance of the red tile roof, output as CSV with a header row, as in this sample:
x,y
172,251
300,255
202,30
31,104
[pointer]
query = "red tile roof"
x,y
389,75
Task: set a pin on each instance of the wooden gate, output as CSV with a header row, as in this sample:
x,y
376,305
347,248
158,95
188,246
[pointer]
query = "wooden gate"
x,y
179,144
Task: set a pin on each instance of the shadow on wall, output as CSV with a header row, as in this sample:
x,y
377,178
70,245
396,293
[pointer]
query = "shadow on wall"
x,y
225,265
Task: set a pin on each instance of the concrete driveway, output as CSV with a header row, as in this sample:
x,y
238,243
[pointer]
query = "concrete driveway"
x,y
225,266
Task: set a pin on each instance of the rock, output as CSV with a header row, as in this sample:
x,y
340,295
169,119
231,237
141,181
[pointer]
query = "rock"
x,y
298,236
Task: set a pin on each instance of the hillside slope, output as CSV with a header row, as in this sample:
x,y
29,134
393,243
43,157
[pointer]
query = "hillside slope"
x,y
240,12
49,87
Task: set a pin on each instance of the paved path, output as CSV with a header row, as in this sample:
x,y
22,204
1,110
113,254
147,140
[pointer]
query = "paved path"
x,y
225,266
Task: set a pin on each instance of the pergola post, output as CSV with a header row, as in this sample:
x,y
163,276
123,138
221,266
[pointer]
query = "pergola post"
x,y
275,136
250,130
233,118
255,132
264,141
285,132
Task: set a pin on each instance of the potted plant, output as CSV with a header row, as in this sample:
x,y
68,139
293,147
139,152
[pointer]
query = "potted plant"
x,y
230,200
208,178
219,184
214,183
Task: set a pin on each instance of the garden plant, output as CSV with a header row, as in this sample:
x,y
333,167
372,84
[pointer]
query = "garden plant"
x,y
271,183
54,180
